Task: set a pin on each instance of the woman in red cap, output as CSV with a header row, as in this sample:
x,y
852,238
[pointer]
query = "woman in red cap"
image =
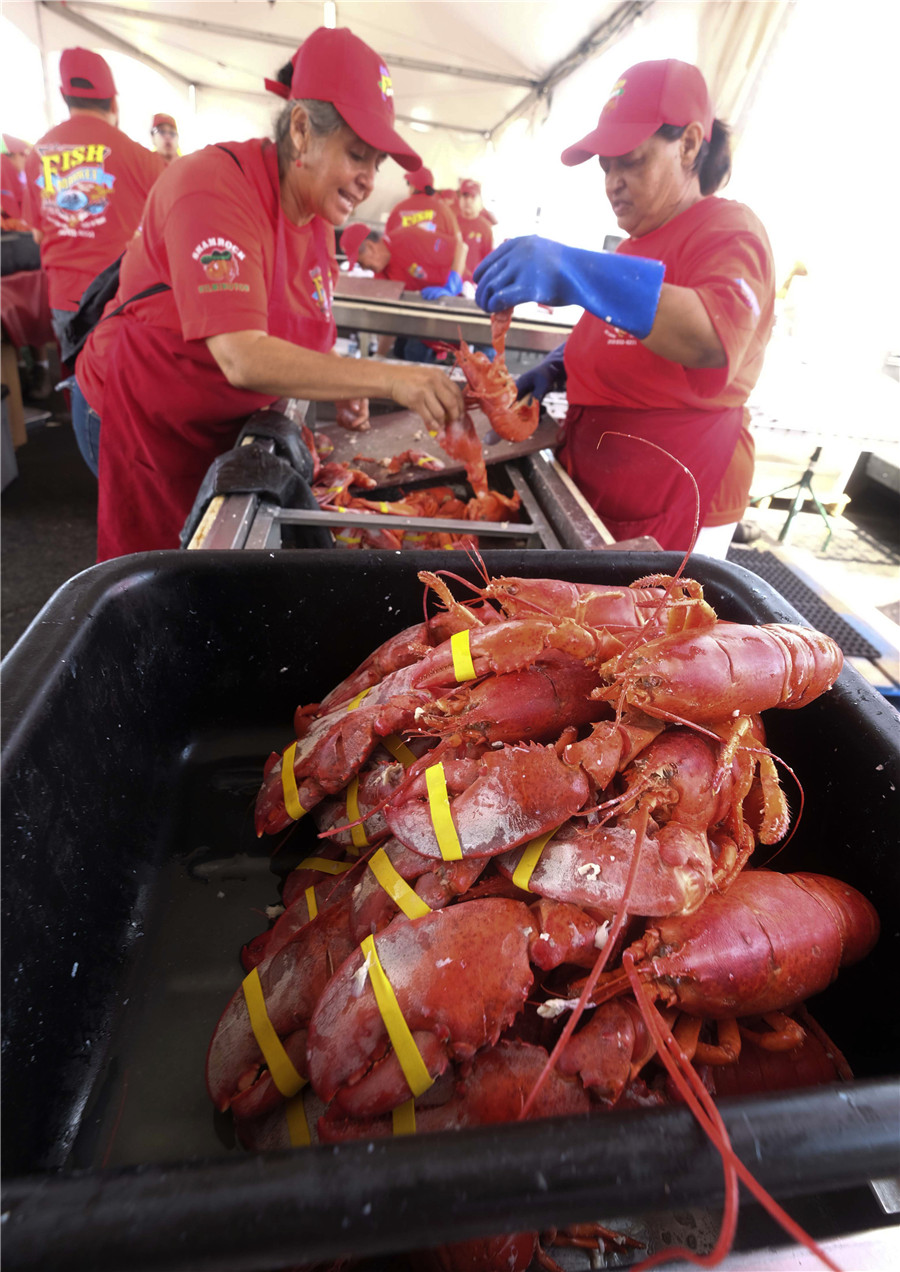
x,y
224,301
677,318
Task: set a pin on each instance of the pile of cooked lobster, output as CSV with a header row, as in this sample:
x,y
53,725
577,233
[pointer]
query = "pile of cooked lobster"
x,y
536,892
489,386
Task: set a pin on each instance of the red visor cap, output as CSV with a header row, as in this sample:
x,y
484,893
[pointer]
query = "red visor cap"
x,y
164,121
15,145
642,99
334,65
352,240
419,178
85,74
469,187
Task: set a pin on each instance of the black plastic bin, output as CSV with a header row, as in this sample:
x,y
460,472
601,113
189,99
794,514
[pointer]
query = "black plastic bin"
x,y
138,709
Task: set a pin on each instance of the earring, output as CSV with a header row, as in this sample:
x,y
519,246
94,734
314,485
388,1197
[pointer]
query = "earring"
x,y
298,163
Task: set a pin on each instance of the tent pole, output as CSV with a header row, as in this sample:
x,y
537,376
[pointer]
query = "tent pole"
x,y
618,22
111,41
240,33
42,49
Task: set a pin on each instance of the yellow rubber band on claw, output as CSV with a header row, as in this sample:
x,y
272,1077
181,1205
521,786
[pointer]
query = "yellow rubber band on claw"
x,y
325,865
312,904
292,805
284,1075
441,818
354,702
298,1126
404,1118
460,648
396,886
357,833
399,750
411,1062
529,859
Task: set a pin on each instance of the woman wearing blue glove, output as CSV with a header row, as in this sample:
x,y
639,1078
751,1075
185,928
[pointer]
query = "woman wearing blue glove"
x,y
676,321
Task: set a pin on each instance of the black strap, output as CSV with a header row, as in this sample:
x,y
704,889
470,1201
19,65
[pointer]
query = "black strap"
x,y
219,146
159,287
141,295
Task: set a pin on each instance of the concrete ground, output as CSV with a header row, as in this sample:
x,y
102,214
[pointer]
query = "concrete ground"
x,y
857,574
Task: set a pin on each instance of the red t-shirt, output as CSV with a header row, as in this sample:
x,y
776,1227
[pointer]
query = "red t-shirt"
x,y
479,239
720,250
12,190
87,184
210,232
421,258
427,212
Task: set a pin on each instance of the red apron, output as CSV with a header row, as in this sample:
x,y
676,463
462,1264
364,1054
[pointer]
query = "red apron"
x,y
168,412
633,488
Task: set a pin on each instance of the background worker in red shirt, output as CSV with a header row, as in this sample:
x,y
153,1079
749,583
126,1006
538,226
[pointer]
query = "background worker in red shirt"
x,y
424,209
677,318
13,155
424,260
87,184
475,229
164,134
237,247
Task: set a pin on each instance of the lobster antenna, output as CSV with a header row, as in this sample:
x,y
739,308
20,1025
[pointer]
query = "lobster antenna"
x,y
696,530
702,1105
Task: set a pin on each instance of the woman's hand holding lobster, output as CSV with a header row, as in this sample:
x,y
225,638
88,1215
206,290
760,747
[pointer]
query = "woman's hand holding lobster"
x,y
353,413
429,392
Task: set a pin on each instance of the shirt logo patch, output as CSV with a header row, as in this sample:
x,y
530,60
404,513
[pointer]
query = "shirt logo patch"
x,y
385,84
418,218
416,270
319,292
219,258
75,187
748,296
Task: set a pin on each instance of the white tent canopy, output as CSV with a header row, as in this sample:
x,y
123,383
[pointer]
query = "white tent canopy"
x,y
496,91
464,74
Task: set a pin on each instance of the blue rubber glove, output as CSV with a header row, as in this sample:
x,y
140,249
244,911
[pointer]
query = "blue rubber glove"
x,y
452,287
622,290
545,376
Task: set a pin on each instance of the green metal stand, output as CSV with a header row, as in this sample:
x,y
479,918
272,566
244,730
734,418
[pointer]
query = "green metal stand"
x,y
803,489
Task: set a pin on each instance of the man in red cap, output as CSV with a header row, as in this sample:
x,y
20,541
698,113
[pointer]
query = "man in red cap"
x,y
424,260
476,232
87,182
164,132
424,208
662,362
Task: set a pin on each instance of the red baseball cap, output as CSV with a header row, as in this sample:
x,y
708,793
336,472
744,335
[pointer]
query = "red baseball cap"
x,y
334,65
642,99
352,240
160,120
420,177
85,74
469,186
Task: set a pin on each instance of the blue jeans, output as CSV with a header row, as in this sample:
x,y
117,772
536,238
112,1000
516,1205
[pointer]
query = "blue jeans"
x,y
86,423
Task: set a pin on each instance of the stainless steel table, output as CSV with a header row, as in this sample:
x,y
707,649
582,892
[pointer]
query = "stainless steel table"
x,y
358,309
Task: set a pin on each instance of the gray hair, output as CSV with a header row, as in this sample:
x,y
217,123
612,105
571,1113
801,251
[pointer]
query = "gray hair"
x,y
324,120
